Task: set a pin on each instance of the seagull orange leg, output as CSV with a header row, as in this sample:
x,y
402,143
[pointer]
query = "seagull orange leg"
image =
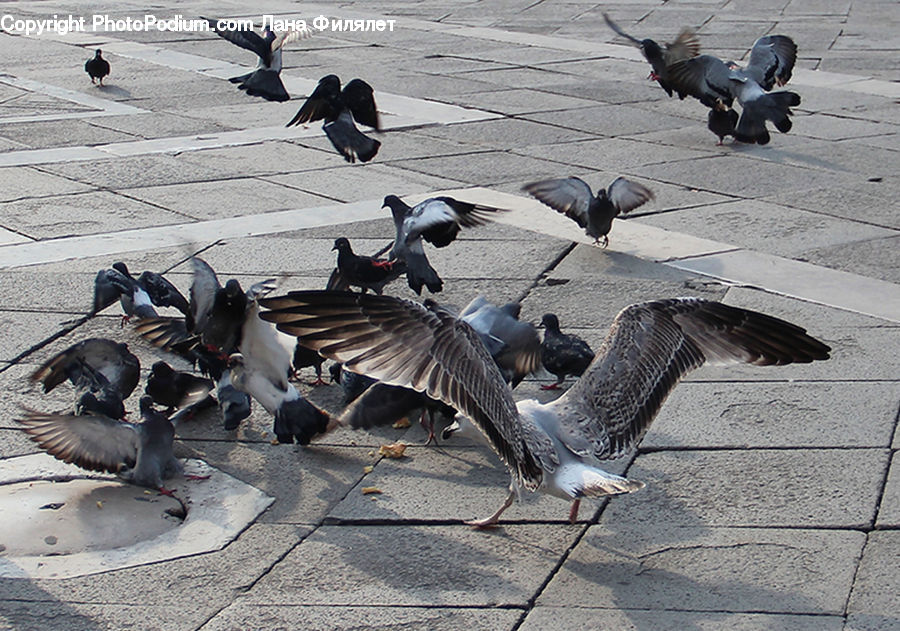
x,y
491,521
573,512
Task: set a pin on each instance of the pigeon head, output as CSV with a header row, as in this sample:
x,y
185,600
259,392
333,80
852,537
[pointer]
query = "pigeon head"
x,y
392,201
335,371
233,288
119,266
651,50
341,244
550,322
512,309
161,369
97,54
147,405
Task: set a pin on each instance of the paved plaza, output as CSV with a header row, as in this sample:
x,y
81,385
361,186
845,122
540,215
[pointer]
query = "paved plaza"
x,y
773,493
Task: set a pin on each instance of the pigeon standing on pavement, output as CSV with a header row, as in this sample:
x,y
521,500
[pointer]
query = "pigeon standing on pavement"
x,y
265,81
365,272
104,374
562,354
573,197
558,447
140,453
97,67
436,220
117,283
175,389
722,122
339,108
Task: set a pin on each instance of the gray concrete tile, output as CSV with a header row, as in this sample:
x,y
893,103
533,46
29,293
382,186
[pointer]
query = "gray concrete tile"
x,y
865,201
24,182
590,619
482,168
316,618
415,565
829,127
752,415
609,120
504,134
874,257
31,327
62,133
600,154
889,512
874,602
36,616
740,570
520,101
262,159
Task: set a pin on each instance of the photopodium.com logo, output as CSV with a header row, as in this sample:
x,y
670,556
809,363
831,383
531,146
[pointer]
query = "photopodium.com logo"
x,y
105,23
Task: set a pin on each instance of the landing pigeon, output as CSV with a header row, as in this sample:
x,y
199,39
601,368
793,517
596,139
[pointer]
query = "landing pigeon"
x,y
339,108
573,197
117,283
436,220
97,67
562,354
365,272
265,81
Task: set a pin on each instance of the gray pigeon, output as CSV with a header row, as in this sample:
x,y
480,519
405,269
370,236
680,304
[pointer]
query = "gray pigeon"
x,y
104,374
97,67
140,453
573,197
117,283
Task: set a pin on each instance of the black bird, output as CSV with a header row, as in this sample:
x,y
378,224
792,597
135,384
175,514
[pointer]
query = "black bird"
x,y
722,122
365,272
563,354
383,404
573,197
352,384
140,453
339,108
104,374
718,84
304,357
117,283
163,293
97,67
175,389
685,46
265,81
436,220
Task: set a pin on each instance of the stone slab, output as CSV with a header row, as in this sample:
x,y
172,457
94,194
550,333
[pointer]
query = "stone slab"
x,y
37,615
796,488
872,258
24,182
416,565
889,511
874,603
136,171
655,565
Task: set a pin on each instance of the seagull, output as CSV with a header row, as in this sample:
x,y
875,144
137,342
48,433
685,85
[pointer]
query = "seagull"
x,y
436,220
140,453
265,81
365,272
573,197
562,354
175,389
104,374
339,108
685,46
514,345
717,84
97,67
558,447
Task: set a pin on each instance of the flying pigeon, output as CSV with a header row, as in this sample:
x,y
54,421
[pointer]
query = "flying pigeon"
x,y
97,67
561,354
514,345
365,272
175,389
140,453
573,197
557,447
685,46
265,81
717,84
104,374
339,108
436,220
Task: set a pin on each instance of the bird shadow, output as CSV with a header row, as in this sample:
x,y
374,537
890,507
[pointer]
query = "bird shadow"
x,y
114,90
783,156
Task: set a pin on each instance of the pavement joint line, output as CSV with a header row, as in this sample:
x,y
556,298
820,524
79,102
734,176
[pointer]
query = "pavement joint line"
x,y
100,107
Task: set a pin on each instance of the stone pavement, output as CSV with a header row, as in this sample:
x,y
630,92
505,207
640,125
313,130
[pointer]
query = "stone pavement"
x,y
773,494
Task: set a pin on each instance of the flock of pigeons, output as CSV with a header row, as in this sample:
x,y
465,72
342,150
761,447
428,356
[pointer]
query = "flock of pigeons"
x,y
395,356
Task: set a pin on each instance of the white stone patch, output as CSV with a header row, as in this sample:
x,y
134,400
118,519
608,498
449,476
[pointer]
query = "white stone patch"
x,y
218,509
99,107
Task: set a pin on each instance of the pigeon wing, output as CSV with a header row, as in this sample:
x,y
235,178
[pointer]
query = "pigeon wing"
x,y
204,288
349,141
627,195
772,60
162,292
685,46
246,39
359,97
571,196
321,103
704,77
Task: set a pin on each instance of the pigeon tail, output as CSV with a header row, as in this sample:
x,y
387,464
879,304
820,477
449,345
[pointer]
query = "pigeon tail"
x,y
264,83
579,480
774,107
419,272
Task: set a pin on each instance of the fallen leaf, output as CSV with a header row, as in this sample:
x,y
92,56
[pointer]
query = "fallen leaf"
x,y
394,450
369,490
403,423
368,468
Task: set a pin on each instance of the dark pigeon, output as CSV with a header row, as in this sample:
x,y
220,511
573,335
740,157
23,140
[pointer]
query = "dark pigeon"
x,y
304,358
97,67
514,345
104,374
352,384
265,81
140,453
117,283
573,197
175,389
722,122
561,354
365,272
163,293
436,220
384,404
339,109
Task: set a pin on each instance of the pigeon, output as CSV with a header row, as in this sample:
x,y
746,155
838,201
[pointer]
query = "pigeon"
x,y
97,67
573,197
561,354
265,81
436,220
140,453
304,357
104,374
117,283
558,447
722,123
175,389
718,84
685,46
352,384
163,293
365,272
339,108
383,404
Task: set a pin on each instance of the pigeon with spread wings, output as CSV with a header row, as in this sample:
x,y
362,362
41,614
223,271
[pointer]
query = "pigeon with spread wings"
x,y
339,108
573,197
265,81
558,447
